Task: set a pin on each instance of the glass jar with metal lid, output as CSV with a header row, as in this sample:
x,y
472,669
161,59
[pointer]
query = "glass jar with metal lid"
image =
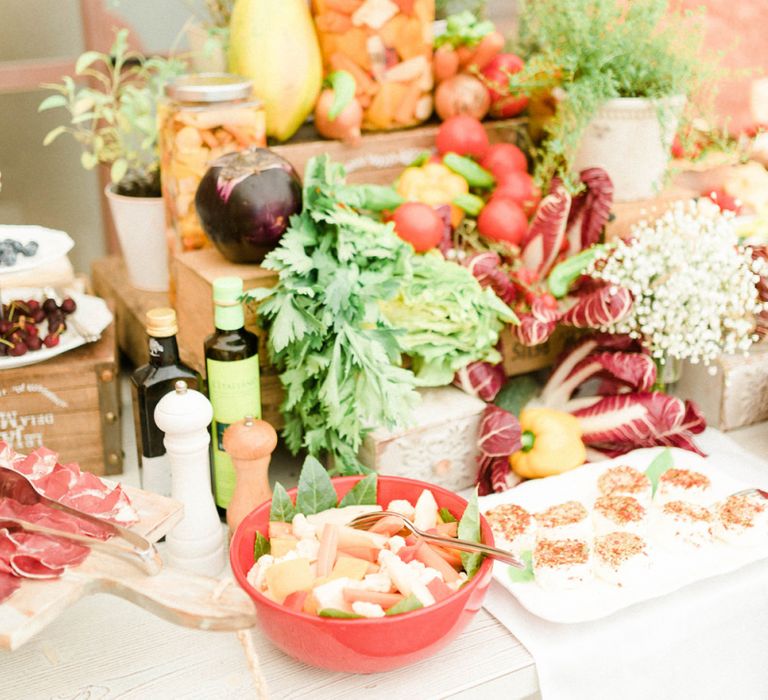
x,y
204,116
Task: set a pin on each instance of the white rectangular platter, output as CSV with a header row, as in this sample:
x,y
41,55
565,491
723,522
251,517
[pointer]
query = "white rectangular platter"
x,y
670,569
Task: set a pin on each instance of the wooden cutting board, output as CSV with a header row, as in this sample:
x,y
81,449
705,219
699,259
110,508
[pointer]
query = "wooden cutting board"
x,y
193,601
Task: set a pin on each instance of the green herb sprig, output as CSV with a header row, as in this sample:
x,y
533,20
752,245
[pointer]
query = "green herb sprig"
x,y
338,356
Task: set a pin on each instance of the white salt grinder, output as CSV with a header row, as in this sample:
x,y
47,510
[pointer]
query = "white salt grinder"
x,y
196,544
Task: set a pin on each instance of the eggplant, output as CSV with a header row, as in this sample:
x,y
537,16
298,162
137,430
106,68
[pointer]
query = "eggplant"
x,y
245,201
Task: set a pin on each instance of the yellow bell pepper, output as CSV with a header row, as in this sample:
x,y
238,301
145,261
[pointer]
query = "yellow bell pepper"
x,y
433,184
551,443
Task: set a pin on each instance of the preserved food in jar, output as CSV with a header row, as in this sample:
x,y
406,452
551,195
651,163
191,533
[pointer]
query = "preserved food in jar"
x,y
205,116
387,47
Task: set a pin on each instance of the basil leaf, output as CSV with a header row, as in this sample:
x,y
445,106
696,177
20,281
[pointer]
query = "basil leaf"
x,y
261,546
333,612
469,529
522,575
660,464
363,493
405,605
282,509
316,492
446,516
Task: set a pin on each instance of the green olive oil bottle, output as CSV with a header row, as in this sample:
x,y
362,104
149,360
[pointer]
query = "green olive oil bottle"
x,y
232,369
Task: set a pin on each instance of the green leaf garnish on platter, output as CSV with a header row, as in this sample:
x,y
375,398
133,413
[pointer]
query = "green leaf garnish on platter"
x,y
363,493
660,464
522,575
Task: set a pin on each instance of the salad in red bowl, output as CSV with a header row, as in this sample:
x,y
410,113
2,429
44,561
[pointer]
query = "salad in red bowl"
x,y
360,601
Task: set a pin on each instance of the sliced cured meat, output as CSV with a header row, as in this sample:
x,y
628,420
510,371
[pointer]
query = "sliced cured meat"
x,y
27,566
36,556
47,517
67,484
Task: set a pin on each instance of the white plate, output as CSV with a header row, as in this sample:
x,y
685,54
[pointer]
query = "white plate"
x,y
52,245
92,313
670,569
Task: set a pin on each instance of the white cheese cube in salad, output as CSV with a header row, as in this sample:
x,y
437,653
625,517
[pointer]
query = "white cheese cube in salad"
x,y
395,543
331,594
339,516
423,572
403,507
258,571
365,609
406,580
308,548
425,516
302,528
379,582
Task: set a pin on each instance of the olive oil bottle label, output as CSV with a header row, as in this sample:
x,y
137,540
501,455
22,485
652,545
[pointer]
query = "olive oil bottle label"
x,y
235,392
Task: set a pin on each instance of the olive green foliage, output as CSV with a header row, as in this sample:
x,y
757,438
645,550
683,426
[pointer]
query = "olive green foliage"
x,y
113,117
595,50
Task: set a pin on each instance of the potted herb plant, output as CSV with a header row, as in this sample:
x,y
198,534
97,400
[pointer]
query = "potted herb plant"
x,y
610,79
113,119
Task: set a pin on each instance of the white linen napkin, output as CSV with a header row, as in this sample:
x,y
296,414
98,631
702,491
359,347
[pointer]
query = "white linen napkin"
x,y
707,640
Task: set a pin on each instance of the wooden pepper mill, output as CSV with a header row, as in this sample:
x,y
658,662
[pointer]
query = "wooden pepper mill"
x,y
250,443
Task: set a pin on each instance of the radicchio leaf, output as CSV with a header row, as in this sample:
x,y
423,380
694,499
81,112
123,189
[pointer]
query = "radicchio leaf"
x,y
618,424
446,243
636,371
601,307
481,379
532,331
486,269
498,437
544,238
590,210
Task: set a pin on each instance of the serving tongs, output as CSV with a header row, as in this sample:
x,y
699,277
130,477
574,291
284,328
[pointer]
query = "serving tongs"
x,y
367,520
126,544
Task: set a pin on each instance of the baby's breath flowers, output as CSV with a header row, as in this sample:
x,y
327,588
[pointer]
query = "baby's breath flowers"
x,y
694,287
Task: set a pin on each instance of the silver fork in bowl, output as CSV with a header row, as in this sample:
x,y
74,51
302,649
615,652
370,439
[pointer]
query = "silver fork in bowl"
x,y
363,522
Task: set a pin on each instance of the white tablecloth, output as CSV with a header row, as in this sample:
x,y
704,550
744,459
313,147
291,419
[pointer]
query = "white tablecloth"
x,y
709,640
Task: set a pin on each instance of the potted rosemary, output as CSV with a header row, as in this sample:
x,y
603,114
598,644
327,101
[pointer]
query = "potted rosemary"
x,y
113,119
611,80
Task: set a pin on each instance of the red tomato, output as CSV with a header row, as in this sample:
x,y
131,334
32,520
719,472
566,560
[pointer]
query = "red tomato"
x,y
504,106
519,187
503,220
419,224
501,158
462,134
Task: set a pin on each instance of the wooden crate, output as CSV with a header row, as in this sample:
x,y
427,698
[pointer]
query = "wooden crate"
x,y
381,157
194,273
627,214
109,280
69,404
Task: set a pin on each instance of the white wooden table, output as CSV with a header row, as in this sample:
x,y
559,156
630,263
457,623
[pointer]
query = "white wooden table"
x,y
105,648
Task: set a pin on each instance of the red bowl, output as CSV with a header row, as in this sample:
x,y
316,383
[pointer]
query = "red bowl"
x,y
363,645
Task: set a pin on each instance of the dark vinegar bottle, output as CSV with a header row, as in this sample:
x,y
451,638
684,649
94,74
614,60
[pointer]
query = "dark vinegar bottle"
x,y
149,384
232,371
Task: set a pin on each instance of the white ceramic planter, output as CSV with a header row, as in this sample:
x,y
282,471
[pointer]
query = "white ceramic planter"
x,y
630,138
140,225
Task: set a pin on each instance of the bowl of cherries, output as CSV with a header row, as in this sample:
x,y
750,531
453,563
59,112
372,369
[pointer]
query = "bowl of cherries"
x,y
30,325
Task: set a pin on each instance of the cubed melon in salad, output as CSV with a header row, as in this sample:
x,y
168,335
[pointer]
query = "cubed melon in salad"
x,y
315,563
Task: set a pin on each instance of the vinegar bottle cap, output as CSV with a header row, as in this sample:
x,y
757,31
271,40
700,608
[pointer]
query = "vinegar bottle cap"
x,y
161,322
